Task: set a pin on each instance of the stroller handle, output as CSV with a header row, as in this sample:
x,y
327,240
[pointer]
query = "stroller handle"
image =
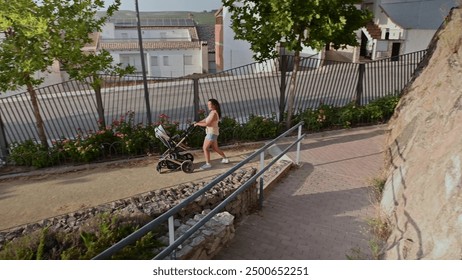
x,y
190,129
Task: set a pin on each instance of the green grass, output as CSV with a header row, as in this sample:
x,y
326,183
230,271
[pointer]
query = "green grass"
x,y
377,187
96,235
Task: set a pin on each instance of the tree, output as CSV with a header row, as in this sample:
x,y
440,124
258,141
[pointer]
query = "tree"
x,y
295,24
38,33
80,65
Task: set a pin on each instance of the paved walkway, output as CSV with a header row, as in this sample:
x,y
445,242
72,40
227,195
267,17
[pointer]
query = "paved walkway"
x,y
319,210
56,191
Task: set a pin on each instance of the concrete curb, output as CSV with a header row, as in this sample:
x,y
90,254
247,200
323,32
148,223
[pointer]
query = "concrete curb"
x,y
287,163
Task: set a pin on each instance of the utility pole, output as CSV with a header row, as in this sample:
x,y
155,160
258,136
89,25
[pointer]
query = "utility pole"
x,y
143,65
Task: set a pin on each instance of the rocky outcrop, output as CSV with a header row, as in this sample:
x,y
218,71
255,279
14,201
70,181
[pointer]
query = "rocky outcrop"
x,y
423,192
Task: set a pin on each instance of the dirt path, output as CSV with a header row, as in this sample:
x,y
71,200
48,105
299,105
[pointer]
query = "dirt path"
x,y
28,199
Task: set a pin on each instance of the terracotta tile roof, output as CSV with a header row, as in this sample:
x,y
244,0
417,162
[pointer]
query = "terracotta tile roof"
x,y
153,44
150,45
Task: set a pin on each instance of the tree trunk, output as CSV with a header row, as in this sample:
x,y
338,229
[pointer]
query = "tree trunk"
x,y
38,117
96,85
292,89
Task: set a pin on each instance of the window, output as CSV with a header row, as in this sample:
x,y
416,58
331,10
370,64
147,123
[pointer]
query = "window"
x,y
154,61
166,61
125,59
188,60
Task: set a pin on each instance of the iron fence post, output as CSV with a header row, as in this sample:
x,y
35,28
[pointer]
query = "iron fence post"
x,y
359,86
3,143
196,99
282,92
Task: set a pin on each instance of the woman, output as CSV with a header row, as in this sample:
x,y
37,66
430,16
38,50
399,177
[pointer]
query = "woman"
x,y
211,129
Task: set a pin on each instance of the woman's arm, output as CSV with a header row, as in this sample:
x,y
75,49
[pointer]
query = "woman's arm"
x,y
208,120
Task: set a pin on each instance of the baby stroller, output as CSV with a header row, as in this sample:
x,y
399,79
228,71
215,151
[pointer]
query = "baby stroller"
x,y
173,159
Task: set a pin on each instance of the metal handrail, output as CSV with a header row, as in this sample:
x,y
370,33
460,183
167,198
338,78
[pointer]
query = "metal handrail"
x,y
168,215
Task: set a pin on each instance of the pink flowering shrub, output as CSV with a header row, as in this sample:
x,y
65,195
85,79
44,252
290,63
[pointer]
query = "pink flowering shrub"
x,y
121,137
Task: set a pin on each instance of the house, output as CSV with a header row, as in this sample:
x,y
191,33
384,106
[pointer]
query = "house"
x,y
402,26
206,32
231,53
171,46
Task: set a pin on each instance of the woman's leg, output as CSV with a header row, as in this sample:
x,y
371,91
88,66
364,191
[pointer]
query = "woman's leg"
x,y
205,148
217,150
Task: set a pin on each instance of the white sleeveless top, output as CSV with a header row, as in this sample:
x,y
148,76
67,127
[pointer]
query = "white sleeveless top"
x,y
213,128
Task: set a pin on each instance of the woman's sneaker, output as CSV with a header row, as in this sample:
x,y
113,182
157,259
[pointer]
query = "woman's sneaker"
x,y
205,166
225,160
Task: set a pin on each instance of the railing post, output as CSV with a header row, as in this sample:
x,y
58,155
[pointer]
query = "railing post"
x,y
196,99
171,235
297,159
359,86
262,165
3,142
282,90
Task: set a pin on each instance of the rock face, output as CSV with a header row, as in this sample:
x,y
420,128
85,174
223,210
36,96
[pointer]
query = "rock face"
x,y
423,192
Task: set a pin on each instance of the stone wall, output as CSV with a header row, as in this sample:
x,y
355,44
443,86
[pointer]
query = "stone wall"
x,y
423,192
205,243
154,204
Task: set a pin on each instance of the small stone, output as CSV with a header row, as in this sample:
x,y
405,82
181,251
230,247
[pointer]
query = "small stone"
x,y
164,240
212,246
225,218
191,222
197,241
183,228
198,217
197,253
184,251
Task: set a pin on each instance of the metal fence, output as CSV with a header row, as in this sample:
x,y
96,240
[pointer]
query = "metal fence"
x,y
254,89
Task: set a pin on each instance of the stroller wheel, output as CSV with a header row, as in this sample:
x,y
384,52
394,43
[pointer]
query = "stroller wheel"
x,y
187,166
159,167
188,156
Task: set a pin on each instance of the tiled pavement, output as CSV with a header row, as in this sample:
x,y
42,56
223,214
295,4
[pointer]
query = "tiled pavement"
x,y
320,210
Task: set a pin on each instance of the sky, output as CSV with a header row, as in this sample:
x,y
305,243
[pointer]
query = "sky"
x,y
169,5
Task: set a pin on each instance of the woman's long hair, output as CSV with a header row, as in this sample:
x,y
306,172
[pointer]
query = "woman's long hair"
x,y
216,105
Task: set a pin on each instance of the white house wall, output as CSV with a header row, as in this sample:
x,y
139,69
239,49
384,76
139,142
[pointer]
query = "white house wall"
x,y
238,53
417,39
384,22
176,62
108,31
235,52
